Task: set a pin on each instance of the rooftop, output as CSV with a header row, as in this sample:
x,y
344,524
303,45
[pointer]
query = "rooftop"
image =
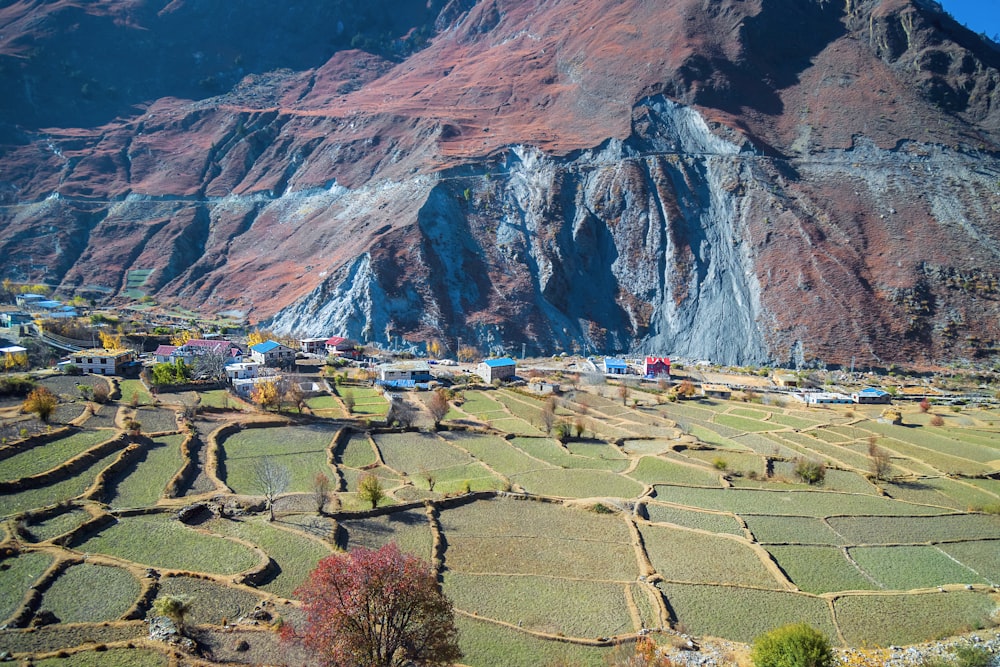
x,y
499,363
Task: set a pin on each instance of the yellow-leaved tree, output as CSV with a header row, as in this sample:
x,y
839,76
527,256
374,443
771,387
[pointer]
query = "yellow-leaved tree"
x,y
265,394
184,336
110,341
255,338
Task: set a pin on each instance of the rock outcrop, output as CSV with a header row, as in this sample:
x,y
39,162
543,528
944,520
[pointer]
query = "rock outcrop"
x,y
754,181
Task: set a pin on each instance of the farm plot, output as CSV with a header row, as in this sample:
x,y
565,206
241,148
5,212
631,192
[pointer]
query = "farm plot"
x,y
495,452
130,388
20,574
728,460
820,569
691,557
741,614
367,401
527,409
794,530
944,462
145,483
596,449
577,484
922,491
599,609
91,593
487,644
654,470
784,478
710,436
302,450
805,443
478,404
156,420
356,451
884,620
130,657
162,542
66,385
647,447
410,530
937,440
54,493
546,539
711,521
514,425
104,417
799,503
744,424
227,602
794,422
768,444
916,529
550,451
295,554
51,454
55,525
982,557
219,399
412,452
905,568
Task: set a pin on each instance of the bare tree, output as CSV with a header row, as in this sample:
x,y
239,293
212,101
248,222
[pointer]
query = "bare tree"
x,y
295,396
881,462
211,365
623,393
271,479
320,491
548,415
402,412
438,406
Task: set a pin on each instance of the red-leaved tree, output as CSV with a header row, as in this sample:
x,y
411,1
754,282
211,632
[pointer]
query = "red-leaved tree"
x,y
376,609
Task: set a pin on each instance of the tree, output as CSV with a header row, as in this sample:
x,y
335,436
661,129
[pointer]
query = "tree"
x,y
211,365
686,389
295,396
176,372
438,406
925,405
320,491
174,607
795,645
270,478
183,337
623,392
548,416
348,399
810,472
370,489
265,394
41,402
110,341
376,609
401,412
14,361
434,348
255,338
881,463
467,353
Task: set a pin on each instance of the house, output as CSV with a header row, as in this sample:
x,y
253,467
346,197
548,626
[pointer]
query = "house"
x,y
243,387
242,370
613,366
656,367
103,362
786,380
341,347
164,353
199,346
716,391
404,372
272,353
28,300
14,318
872,395
496,369
823,398
313,345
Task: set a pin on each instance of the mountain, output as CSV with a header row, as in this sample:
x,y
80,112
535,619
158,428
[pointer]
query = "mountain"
x,y
767,181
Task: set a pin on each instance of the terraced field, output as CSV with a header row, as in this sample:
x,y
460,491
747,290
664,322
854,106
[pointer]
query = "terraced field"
x,y
675,515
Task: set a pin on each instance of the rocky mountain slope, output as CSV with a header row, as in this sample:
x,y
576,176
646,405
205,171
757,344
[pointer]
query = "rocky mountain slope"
x,y
742,180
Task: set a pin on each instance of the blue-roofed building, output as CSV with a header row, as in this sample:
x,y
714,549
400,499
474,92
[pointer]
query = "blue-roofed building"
x,y
272,353
404,373
496,369
613,366
872,395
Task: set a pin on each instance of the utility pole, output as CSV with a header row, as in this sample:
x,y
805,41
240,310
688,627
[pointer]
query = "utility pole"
x,y
522,351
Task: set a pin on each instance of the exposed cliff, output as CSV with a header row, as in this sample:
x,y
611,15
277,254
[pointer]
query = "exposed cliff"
x,y
770,180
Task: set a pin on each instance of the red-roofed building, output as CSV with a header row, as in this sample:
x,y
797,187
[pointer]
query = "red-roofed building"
x,y
656,367
164,353
340,347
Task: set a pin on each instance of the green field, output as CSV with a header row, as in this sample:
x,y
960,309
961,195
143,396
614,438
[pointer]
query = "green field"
x,y
51,454
91,593
57,492
821,569
20,573
302,450
146,481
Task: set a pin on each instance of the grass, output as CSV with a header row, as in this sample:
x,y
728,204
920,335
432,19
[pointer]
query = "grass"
x,y
156,420
915,530
708,610
710,521
905,568
158,541
134,387
295,554
525,537
410,530
324,402
302,450
144,485
51,454
489,645
599,609
115,657
356,452
734,461
412,452
495,452
983,557
577,483
550,451
17,575
54,493
211,602
451,480
91,593
796,503
218,398
794,530
654,470
647,447
720,560
820,569
58,524
744,424
884,620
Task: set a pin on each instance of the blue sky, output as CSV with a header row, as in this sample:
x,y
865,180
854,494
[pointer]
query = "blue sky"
x,y
979,15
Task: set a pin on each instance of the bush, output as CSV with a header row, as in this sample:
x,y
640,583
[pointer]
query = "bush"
x,y
937,420
795,645
810,472
72,369
101,393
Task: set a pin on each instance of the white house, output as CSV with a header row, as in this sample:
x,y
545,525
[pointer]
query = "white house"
x,y
272,353
313,345
405,371
102,362
496,369
242,370
243,387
